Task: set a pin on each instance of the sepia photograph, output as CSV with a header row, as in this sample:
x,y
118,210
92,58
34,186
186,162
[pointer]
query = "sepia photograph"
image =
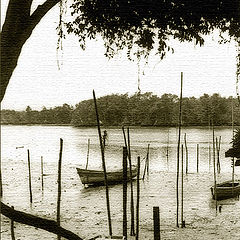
x,y
120,119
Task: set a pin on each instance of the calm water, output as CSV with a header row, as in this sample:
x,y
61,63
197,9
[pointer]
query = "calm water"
x,y
157,190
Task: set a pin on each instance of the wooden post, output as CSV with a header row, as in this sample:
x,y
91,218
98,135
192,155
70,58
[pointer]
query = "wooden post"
x,y
214,170
12,228
42,171
87,153
29,176
148,160
156,223
209,156
167,148
218,143
182,192
138,198
125,153
197,156
186,149
233,162
103,166
146,168
132,232
178,147
59,184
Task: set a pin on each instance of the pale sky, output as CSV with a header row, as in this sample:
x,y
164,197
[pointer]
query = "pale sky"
x,y
38,82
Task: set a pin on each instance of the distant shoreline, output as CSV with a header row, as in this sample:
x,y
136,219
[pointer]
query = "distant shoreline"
x,y
118,126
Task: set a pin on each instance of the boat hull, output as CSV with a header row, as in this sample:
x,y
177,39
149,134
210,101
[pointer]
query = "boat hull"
x,y
226,190
95,177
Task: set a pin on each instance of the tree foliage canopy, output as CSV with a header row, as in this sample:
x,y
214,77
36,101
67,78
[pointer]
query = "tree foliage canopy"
x,y
140,24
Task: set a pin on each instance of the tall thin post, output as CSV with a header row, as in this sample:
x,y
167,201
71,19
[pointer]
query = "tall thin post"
x,y
233,162
156,223
138,198
167,149
186,149
42,171
125,153
12,229
132,232
103,166
182,193
178,147
197,156
87,153
218,155
59,184
29,176
214,169
148,160
209,156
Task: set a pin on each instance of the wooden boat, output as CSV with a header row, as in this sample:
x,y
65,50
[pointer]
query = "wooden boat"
x,y
226,190
96,177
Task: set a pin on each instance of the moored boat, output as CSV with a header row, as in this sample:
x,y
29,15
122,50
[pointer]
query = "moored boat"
x,y
226,190
96,177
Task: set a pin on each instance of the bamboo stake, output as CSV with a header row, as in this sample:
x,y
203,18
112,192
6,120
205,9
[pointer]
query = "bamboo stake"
x,y
209,156
42,171
104,166
186,149
87,154
59,185
132,232
233,166
214,170
12,228
167,150
197,156
218,157
183,224
148,160
29,176
125,153
138,198
178,147
156,223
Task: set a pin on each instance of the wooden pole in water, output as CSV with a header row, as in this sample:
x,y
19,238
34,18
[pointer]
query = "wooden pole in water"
x,y
87,154
214,169
186,149
12,229
178,147
183,224
42,171
125,153
103,166
132,232
197,156
167,149
59,184
138,198
148,160
156,223
218,159
233,166
209,156
29,176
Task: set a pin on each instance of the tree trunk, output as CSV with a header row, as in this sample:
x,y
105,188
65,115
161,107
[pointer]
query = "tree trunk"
x,y
17,28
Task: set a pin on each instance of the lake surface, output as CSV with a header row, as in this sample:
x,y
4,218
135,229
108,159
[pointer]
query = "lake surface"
x,y
86,207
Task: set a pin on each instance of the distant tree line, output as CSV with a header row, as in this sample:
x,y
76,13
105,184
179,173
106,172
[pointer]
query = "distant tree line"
x,y
136,110
57,115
